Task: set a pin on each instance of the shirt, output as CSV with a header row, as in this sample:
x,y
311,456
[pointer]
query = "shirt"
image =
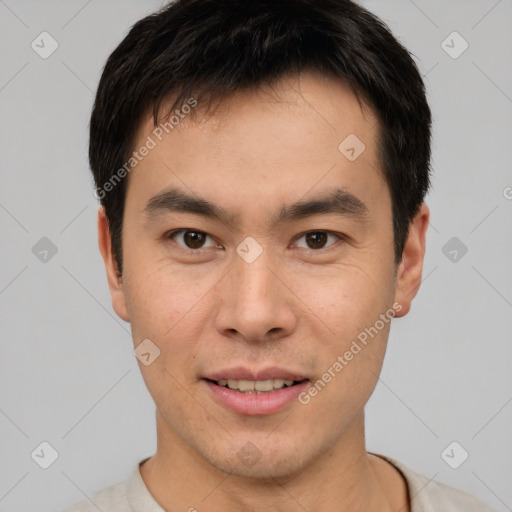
x,y
426,495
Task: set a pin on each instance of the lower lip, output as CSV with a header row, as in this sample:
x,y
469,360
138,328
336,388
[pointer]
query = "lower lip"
x,y
257,404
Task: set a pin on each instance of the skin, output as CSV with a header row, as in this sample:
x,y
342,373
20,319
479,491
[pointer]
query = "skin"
x,y
295,306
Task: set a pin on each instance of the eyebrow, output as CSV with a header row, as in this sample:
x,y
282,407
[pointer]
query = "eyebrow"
x,y
338,201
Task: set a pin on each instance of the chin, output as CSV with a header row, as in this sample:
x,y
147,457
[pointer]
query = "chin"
x,y
268,462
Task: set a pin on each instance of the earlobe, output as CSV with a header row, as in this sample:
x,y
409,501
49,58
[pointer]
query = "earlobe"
x,y
410,269
115,280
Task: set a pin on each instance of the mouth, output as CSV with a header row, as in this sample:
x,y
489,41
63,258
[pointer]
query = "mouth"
x,y
255,393
256,387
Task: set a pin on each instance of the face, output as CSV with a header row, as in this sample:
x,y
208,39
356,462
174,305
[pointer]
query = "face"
x,y
256,250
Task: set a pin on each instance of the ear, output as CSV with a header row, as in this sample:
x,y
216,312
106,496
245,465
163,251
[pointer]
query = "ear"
x,y
409,270
115,280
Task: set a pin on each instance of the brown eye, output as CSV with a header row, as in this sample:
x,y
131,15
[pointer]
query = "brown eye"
x,y
190,239
316,240
193,239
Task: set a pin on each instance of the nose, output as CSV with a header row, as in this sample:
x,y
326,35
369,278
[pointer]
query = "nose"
x,y
256,305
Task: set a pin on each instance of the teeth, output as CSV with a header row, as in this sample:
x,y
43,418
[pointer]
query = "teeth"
x,y
247,385
258,386
264,385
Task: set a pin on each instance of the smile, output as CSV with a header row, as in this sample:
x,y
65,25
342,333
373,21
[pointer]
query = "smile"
x,y
255,397
255,386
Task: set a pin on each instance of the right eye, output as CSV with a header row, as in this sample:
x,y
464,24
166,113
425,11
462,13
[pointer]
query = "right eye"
x,y
190,239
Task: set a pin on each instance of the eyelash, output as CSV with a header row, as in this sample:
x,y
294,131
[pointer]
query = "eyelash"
x,y
171,234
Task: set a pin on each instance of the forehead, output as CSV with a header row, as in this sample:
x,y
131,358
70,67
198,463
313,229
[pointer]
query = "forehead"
x,y
309,97
275,140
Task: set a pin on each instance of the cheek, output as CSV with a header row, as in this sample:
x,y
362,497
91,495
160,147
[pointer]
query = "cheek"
x,y
349,300
348,297
166,308
168,304
154,287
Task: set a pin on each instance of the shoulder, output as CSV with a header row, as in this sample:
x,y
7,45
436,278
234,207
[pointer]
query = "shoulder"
x,y
428,495
440,497
126,496
109,499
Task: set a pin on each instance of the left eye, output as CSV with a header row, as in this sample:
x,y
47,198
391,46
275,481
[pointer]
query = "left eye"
x,y
317,239
191,239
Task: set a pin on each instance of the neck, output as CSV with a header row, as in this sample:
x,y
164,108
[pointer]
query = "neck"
x,y
344,478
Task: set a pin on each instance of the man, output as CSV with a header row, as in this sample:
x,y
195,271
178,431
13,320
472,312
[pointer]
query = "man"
x,y
262,167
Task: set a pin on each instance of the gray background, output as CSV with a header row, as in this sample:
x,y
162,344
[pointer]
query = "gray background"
x,y
67,371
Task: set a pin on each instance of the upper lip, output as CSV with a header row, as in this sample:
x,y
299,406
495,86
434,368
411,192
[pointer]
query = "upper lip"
x,y
243,373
